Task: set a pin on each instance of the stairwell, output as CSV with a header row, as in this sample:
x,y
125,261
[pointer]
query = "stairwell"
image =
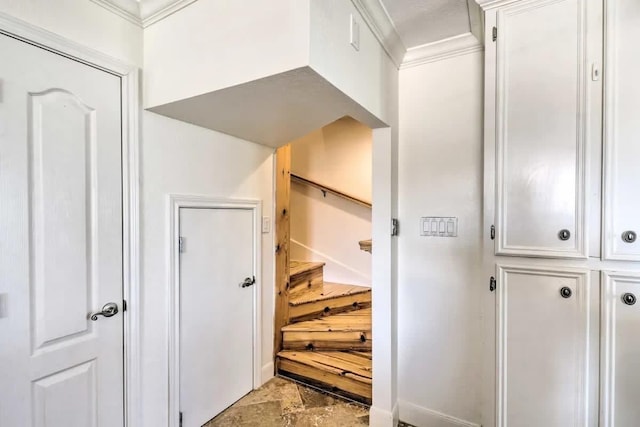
x,y
327,338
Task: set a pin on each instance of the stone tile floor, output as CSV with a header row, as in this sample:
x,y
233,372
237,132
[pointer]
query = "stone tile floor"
x,y
283,403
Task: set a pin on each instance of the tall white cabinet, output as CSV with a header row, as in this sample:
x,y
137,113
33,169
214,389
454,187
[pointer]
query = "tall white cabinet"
x,y
622,131
541,128
562,209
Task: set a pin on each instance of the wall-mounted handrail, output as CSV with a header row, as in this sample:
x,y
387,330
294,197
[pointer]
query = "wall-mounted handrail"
x,y
326,189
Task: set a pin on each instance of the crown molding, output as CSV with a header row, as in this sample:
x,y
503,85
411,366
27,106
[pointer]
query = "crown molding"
x,y
442,49
375,15
143,13
493,4
156,14
127,9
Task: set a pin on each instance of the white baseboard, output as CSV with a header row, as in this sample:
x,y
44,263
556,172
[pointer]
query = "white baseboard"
x,y
383,418
423,417
267,373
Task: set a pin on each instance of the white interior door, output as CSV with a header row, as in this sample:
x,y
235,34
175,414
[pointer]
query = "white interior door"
x,y
216,311
547,375
61,241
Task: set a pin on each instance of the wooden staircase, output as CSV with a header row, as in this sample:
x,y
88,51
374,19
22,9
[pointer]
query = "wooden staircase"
x,y
327,339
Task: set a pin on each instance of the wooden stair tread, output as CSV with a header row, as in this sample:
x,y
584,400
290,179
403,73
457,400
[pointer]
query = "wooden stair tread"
x,y
358,320
326,292
342,363
298,267
342,372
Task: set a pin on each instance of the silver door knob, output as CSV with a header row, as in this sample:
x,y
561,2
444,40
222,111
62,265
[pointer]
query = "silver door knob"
x,y
108,310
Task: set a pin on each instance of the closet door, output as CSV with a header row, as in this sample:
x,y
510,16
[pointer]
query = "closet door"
x,y
622,132
620,350
546,324
543,109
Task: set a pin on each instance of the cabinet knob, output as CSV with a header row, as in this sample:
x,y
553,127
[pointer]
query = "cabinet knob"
x,y
629,299
629,236
566,292
564,234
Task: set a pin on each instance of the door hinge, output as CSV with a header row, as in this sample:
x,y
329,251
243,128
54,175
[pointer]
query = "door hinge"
x,y
395,225
180,419
124,305
181,244
495,34
493,232
492,284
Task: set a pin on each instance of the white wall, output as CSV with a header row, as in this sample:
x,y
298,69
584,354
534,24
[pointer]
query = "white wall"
x,y
439,280
210,45
185,159
83,22
364,74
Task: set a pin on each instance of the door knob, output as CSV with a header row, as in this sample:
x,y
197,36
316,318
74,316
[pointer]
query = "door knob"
x,y
108,310
629,236
629,299
566,292
249,281
564,234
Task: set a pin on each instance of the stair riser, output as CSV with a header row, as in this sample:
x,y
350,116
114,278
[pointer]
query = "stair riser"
x,y
330,381
318,309
326,341
309,279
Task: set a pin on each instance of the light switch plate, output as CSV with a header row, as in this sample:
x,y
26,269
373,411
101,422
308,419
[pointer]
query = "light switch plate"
x,y
266,224
435,226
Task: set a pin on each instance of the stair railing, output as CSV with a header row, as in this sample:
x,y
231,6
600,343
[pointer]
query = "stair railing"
x,y
325,189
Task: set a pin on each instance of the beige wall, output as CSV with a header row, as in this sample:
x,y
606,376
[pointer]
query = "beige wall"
x,y
328,228
337,155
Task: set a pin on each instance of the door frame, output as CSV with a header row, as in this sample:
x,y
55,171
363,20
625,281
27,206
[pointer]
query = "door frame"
x,y
174,203
130,173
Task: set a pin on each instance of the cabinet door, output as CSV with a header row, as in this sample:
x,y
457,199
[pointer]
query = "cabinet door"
x,y
622,131
543,110
545,342
620,350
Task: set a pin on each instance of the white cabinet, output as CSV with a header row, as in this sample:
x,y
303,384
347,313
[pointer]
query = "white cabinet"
x,y
622,131
546,319
560,361
620,350
539,120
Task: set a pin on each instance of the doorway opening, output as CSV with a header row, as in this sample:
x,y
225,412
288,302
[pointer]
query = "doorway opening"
x,y
323,259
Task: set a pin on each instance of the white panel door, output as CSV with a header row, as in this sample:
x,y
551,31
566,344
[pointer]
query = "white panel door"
x,y
216,310
545,344
620,343
61,241
542,128
622,132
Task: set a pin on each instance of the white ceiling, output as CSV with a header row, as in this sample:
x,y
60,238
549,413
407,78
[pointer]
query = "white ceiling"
x,y
420,22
